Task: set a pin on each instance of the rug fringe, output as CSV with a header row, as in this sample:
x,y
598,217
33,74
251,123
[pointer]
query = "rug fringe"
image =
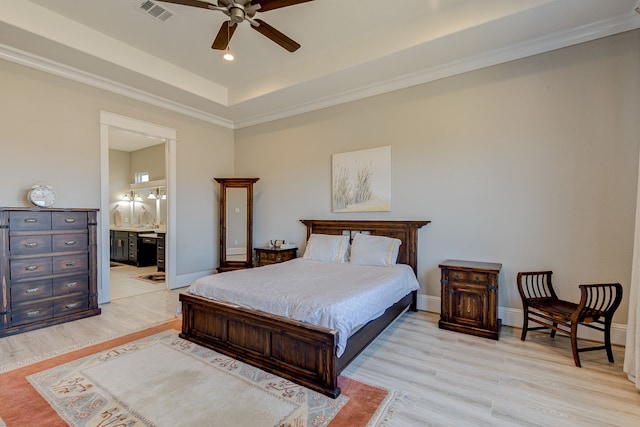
x,y
383,415
48,355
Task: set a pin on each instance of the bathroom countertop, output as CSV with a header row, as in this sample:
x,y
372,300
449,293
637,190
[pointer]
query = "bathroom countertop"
x,y
162,230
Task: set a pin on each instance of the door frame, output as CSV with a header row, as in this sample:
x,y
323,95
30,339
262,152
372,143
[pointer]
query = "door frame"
x,y
110,120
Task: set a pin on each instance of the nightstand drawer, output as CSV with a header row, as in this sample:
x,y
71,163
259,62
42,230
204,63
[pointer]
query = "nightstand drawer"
x,y
476,277
460,276
267,256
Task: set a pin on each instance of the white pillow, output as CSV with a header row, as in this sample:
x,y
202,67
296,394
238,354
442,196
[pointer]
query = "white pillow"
x,y
374,250
325,247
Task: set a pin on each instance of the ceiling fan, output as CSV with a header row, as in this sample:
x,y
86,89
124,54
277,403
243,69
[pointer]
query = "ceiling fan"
x,y
244,10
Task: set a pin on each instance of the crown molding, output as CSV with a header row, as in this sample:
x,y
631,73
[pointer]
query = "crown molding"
x,y
61,70
548,43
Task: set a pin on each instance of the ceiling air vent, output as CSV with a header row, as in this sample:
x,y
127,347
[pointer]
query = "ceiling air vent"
x,y
155,10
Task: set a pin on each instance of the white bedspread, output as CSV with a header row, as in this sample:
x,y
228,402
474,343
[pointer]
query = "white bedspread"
x,y
341,297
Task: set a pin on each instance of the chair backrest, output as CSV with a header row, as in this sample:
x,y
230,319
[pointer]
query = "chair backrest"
x,y
536,285
599,300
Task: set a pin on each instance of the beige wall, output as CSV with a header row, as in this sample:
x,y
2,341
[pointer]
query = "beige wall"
x,y
51,134
532,163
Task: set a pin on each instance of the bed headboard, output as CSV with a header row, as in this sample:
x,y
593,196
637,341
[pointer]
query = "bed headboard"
x,y
406,231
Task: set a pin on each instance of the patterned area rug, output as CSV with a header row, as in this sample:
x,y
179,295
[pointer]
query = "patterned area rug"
x,y
154,378
152,277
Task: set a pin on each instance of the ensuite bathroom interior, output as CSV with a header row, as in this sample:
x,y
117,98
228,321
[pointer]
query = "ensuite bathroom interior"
x,y
137,213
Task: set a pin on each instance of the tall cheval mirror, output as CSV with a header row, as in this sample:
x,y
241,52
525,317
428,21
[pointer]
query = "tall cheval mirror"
x,y
236,223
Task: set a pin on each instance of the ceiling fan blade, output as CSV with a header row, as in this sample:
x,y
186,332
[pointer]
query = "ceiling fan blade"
x,y
276,36
194,3
224,36
266,5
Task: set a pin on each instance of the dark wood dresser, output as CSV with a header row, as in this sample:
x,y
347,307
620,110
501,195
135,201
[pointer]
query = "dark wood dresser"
x,y
470,298
266,256
48,267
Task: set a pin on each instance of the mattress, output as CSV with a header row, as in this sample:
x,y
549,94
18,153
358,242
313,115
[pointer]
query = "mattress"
x,y
338,296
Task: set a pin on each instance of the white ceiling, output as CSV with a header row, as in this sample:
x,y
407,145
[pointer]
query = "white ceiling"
x,y
350,48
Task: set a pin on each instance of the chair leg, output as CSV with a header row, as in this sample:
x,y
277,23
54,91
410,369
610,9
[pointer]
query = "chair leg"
x,y
574,344
525,325
607,339
553,331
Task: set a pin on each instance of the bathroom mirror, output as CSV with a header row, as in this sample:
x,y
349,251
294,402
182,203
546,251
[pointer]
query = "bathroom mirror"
x,y
236,223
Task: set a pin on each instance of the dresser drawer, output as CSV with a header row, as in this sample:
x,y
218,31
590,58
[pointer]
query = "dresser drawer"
x,y
70,305
33,267
70,263
30,291
70,242
68,220
29,313
71,285
20,245
22,221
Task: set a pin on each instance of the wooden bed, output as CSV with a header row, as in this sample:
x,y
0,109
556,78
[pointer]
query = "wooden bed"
x,y
297,351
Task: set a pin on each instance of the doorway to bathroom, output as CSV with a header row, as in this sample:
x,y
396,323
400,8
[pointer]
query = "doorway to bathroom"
x,y
137,214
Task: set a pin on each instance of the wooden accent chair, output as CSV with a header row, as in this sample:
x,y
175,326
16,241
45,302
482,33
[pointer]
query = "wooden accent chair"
x,y
595,310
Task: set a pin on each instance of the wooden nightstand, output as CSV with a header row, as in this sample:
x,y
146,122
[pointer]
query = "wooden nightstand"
x,y
266,256
470,298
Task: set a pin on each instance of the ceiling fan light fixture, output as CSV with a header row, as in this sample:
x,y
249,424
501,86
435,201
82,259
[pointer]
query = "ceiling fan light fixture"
x,y
228,56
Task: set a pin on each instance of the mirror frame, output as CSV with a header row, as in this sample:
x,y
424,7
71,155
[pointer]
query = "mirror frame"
x,y
226,183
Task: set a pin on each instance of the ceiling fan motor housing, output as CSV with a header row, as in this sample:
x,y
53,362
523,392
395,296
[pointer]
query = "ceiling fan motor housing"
x,y
236,14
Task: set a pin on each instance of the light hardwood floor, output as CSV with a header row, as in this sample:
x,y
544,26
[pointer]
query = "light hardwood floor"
x,y
445,378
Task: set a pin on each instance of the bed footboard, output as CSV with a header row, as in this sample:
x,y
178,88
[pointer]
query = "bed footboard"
x,y
294,350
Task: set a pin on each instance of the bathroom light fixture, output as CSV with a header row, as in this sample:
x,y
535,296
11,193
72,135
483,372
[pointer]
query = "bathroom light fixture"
x,y
155,194
128,196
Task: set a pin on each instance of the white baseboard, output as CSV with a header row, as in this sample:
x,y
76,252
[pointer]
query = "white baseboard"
x,y
515,316
186,279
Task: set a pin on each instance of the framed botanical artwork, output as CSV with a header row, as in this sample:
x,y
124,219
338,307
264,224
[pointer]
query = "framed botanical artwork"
x,y
362,180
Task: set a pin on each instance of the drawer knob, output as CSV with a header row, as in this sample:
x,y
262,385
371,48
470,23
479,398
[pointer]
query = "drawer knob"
x,y
33,313
70,242
71,284
69,220
31,220
70,263
31,267
31,244
457,276
31,291
477,278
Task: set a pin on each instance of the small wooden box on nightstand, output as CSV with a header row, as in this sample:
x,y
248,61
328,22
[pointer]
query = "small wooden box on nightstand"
x,y
266,256
470,298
